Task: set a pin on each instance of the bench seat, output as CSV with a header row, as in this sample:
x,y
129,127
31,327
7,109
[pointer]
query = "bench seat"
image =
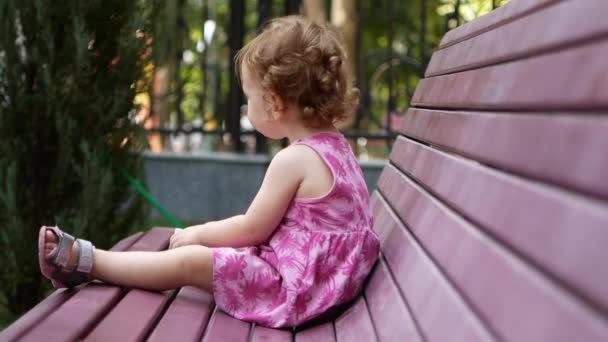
x,y
101,312
492,210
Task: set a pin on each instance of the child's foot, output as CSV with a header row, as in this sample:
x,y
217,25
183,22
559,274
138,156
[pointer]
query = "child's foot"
x,y
51,244
67,262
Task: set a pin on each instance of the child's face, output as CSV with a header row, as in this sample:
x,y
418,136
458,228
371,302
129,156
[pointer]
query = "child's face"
x,y
258,109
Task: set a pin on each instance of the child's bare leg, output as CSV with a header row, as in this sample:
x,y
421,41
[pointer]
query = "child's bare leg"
x,y
188,265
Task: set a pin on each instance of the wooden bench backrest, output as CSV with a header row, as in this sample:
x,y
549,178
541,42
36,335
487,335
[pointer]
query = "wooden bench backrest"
x,y
493,210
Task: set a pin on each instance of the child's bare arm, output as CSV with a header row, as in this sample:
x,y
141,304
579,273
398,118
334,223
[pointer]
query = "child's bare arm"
x,y
264,214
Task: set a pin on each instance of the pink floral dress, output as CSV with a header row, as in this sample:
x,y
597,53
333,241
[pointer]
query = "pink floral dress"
x,y
317,258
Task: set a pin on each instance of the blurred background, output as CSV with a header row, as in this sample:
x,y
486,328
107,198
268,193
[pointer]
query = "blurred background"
x,y
101,100
192,101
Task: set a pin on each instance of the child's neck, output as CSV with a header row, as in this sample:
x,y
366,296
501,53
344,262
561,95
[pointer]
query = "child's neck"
x,y
292,126
300,132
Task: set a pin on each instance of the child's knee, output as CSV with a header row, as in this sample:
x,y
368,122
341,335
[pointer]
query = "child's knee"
x,y
196,265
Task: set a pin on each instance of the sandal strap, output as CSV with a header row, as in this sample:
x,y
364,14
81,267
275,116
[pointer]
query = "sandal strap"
x,y
84,265
60,258
62,253
70,279
85,256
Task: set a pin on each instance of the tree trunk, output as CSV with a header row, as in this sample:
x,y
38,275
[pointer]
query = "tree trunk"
x,y
160,105
344,17
315,10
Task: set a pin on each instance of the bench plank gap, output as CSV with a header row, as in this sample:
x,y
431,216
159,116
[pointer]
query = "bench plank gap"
x,y
323,332
482,194
417,276
222,327
186,318
484,271
355,324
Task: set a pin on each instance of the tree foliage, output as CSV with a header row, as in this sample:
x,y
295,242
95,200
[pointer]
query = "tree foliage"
x,y
68,73
207,72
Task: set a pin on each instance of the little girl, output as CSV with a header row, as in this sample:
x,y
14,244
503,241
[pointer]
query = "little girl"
x,y
306,244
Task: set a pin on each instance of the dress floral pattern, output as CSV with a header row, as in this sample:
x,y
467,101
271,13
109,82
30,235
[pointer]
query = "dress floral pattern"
x,y
318,256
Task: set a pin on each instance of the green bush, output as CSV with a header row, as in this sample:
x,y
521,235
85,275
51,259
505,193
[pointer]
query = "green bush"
x,y
68,73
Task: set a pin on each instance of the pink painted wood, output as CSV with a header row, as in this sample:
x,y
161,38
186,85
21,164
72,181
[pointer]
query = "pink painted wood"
x,y
260,334
382,224
76,316
355,324
390,316
324,332
516,301
126,243
558,81
553,27
133,317
225,328
156,239
533,145
186,317
417,276
25,323
544,224
505,14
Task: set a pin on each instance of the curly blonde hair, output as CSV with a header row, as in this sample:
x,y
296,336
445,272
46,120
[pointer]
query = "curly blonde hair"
x,y
303,63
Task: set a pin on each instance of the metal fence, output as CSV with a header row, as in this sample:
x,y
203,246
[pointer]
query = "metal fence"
x,y
379,113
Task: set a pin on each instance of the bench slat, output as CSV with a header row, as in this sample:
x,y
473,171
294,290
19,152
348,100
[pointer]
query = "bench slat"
x,y
60,321
556,26
355,325
444,316
37,314
533,145
320,333
260,334
225,328
518,303
132,318
137,312
500,16
388,312
126,243
546,225
573,79
156,239
186,318
382,224
70,321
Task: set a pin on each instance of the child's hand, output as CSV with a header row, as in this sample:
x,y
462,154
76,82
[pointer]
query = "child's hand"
x,y
183,237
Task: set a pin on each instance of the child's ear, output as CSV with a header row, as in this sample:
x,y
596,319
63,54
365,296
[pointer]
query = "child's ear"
x,y
277,105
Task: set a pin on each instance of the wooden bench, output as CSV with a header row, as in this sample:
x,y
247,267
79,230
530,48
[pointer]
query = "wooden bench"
x,y
493,209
